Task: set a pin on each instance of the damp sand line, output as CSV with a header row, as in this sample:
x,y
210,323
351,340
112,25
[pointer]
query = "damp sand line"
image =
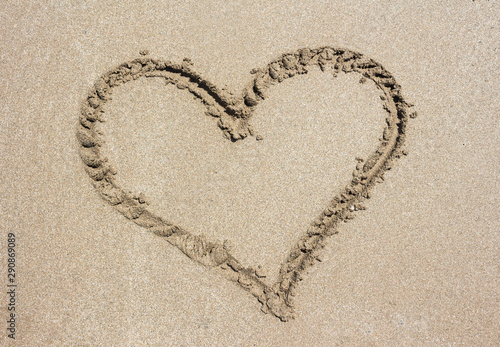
x,y
233,114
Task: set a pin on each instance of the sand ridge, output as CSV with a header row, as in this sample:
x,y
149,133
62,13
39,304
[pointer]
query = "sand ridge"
x,y
234,113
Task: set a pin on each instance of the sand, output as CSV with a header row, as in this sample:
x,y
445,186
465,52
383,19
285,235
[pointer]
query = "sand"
x,y
260,174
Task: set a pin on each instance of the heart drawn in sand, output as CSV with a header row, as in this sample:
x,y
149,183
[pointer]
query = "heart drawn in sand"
x,y
234,113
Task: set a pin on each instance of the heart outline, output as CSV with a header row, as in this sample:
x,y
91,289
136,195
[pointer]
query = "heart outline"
x,y
233,113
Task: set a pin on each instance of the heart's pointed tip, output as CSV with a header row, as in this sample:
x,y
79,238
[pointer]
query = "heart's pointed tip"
x,y
278,305
284,315
288,316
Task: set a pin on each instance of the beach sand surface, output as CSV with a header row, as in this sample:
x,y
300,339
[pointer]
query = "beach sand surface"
x,y
419,266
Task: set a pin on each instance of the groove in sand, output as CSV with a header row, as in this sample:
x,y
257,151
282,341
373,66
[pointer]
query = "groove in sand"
x,y
233,113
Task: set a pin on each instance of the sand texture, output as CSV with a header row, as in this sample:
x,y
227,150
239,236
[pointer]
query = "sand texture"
x,y
271,174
